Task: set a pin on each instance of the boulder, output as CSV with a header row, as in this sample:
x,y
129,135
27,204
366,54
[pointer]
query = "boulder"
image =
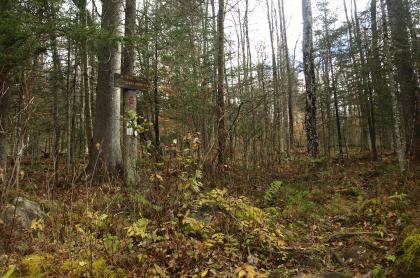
x,y
22,212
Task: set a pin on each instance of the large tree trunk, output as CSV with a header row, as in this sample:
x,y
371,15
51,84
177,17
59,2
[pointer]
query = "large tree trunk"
x,y
221,134
106,153
393,89
406,76
309,69
130,149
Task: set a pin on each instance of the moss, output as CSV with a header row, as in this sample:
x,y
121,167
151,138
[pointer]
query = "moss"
x,y
74,267
100,268
36,265
409,262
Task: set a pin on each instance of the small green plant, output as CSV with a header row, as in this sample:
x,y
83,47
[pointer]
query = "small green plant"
x,y
136,123
111,244
378,271
141,199
138,229
272,191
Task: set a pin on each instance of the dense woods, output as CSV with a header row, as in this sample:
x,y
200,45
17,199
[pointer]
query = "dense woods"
x,y
148,138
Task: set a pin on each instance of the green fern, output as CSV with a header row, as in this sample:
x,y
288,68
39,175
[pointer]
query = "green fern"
x,y
272,191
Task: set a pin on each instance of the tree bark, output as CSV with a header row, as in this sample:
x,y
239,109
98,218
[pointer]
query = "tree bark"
x,y
221,132
56,88
276,87
106,153
309,70
3,129
393,89
86,82
130,145
289,79
406,76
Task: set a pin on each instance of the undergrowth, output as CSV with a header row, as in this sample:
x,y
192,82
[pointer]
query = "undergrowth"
x,y
299,222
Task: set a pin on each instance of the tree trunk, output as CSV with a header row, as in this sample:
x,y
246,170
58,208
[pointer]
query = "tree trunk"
x,y
309,70
130,149
56,88
221,132
406,76
276,89
3,129
156,99
86,82
290,78
69,104
106,153
393,89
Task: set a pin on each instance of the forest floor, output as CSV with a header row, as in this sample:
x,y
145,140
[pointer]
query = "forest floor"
x,y
308,218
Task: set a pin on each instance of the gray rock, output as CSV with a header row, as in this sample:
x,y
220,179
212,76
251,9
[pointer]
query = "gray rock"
x,y
22,212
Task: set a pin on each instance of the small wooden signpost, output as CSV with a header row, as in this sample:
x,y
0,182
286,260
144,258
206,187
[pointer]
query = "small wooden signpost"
x,y
131,82
131,85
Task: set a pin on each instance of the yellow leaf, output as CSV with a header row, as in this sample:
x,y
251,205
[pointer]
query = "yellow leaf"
x,y
241,273
82,263
141,258
37,225
159,177
159,271
204,273
79,228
